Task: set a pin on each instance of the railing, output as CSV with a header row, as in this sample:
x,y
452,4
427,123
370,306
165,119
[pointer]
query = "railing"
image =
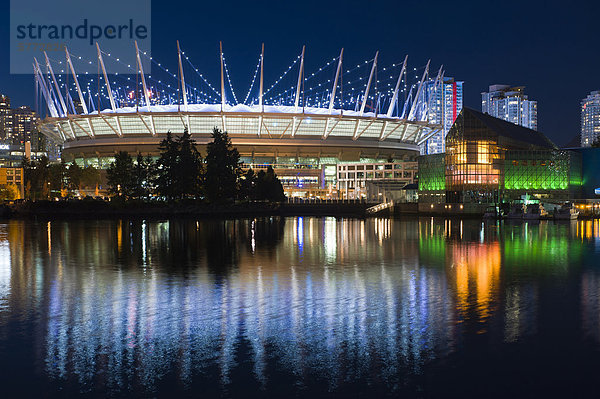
x,y
261,166
295,200
379,207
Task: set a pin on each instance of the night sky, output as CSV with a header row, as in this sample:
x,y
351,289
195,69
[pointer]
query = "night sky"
x,y
551,47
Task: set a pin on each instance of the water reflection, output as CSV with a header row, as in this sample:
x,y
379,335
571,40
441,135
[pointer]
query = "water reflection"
x,y
128,304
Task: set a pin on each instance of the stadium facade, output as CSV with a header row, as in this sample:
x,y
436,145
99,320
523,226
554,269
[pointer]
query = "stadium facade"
x,y
304,132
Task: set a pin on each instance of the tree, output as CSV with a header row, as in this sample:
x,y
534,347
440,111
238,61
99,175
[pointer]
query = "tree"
x,y
9,192
90,177
596,143
142,176
74,175
166,167
268,186
36,178
57,174
189,168
120,175
222,168
275,188
247,186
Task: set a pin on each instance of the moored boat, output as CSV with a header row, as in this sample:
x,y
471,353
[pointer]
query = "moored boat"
x,y
535,212
516,212
490,213
566,212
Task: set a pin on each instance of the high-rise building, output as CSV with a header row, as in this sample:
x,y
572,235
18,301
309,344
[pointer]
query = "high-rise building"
x,y
24,127
6,125
590,118
511,104
444,101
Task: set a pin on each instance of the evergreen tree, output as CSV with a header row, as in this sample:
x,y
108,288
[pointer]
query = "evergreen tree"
x,y
268,186
166,167
261,189
189,171
57,177
247,186
74,174
142,176
222,168
90,177
275,188
36,178
150,174
120,175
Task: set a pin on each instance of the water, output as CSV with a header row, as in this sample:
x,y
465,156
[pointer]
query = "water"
x,y
300,307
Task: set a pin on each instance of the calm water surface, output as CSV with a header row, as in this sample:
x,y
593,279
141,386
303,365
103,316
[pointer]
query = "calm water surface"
x,y
303,307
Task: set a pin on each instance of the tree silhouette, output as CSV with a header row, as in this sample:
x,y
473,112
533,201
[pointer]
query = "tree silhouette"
x,y
189,168
222,168
120,175
36,178
247,184
74,174
142,176
268,186
166,170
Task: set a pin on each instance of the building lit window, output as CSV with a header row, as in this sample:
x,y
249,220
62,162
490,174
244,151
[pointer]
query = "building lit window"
x,y
483,155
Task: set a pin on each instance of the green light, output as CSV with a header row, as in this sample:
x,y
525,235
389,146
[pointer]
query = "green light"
x,y
432,173
538,170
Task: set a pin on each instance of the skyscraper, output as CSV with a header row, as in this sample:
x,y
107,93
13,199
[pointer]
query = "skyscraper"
x,y
445,101
511,104
24,127
590,118
5,118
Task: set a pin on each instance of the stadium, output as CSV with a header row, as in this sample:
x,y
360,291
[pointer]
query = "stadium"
x,y
305,124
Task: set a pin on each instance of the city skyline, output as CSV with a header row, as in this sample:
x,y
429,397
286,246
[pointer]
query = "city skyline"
x,y
511,104
445,101
590,118
468,57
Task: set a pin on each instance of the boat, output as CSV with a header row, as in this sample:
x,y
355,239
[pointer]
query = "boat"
x,y
516,212
566,212
535,212
490,213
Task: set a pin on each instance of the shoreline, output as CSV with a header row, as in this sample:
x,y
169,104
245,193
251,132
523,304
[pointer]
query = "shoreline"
x,y
104,210
90,210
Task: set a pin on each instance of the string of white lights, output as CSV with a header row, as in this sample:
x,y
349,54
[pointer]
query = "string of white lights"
x,y
155,85
315,95
229,80
253,79
200,75
188,87
275,97
281,77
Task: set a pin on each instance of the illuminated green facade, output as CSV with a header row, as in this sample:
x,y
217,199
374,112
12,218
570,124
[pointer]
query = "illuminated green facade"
x,y
432,179
431,173
542,171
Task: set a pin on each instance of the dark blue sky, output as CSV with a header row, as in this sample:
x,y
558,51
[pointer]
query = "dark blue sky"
x,y
550,47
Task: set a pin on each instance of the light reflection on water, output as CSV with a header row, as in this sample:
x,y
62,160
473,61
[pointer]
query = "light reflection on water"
x,y
125,305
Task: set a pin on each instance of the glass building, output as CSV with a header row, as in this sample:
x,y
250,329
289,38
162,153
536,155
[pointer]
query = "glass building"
x,y
445,101
511,104
489,160
590,119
